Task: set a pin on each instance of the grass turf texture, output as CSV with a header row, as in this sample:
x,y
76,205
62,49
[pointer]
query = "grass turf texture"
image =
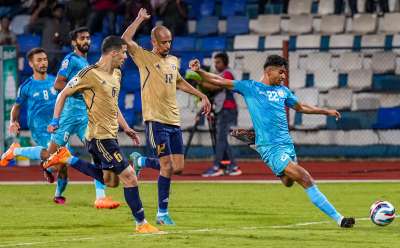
x,y
207,215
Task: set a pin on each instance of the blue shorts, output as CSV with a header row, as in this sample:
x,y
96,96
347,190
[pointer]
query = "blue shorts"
x,y
277,157
164,139
41,137
106,155
70,125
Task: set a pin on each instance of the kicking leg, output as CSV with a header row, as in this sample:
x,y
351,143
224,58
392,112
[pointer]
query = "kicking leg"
x,y
302,177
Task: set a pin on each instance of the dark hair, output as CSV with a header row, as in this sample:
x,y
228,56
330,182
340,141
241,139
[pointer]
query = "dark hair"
x,y
224,57
275,60
112,42
74,33
34,51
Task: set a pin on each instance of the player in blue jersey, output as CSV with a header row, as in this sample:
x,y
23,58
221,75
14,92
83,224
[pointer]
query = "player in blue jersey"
x,y
74,117
266,101
38,93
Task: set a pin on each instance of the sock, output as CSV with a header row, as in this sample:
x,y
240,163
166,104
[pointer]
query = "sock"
x,y
100,189
32,152
61,185
321,202
86,168
163,195
153,163
135,204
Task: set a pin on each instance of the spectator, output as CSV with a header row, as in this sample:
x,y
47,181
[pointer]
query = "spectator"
x,y
76,12
100,10
371,6
6,36
225,110
174,15
340,6
54,32
132,9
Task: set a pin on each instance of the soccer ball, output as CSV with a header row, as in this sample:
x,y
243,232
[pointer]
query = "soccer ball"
x,y
382,213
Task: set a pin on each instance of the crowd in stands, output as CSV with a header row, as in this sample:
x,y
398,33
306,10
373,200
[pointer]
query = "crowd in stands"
x,y
329,31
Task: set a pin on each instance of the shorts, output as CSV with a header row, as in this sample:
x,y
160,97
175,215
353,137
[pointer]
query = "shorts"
x,y
70,125
41,137
106,155
277,157
164,139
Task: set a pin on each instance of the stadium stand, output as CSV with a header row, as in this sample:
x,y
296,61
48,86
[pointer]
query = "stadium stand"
x,y
336,60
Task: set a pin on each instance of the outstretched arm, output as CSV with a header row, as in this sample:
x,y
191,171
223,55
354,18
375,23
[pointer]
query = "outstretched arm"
x,y
127,36
210,77
309,109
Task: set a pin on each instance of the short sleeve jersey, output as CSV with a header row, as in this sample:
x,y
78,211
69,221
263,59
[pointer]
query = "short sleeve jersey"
x,y
40,97
100,91
158,79
70,66
266,105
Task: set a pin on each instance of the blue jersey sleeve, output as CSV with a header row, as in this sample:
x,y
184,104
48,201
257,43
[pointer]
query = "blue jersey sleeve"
x,y
66,67
22,94
242,86
291,99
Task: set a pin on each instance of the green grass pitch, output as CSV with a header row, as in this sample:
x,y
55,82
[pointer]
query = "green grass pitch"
x,y
207,215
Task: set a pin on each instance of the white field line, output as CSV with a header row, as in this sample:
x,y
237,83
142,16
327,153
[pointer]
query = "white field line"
x,y
215,181
204,230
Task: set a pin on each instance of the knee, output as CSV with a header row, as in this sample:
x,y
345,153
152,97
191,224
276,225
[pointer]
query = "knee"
x,y
288,183
111,184
177,171
167,167
44,154
307,181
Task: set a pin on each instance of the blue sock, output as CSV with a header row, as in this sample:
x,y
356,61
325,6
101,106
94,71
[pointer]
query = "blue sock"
x,y
100,189
135,204
61,185
32,152
320,201
86,168
163,194
153,163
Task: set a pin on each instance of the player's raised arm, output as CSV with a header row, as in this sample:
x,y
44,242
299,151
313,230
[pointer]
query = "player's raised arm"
x,y
210,77
127,36
309,109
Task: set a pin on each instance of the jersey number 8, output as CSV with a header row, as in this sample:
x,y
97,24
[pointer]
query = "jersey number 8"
x,y
45,95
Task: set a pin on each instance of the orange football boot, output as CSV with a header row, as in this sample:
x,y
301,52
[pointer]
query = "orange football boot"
x,y
9,154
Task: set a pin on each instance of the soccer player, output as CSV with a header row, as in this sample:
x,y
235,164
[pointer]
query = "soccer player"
x,y
74,118
40,96
100,86
266,101
159,73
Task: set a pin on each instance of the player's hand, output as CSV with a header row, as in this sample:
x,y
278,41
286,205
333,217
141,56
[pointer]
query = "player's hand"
x,y
14,127
143,15
133,135
334,112
194,65
206,105
53,126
